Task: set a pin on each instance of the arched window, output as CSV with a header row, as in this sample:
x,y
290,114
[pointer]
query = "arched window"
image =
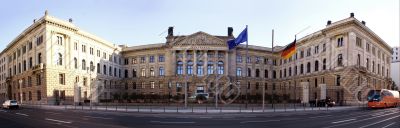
x,y
179,68
257,72
248,72
83,64
91,66
98,67
76,63
301,69
200,68
290,71
316,65
239,71
340,59
152,71
39,58
59,61
134,73
308,67
210,67
189,67
143,72
110,71
161,71
126,73
104,69
220,67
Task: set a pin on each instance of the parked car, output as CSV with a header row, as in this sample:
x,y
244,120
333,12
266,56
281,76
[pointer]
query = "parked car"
x,y
10,104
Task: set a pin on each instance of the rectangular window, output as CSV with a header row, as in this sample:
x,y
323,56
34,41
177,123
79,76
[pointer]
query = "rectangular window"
x,y
59,40
38,79
238,59
39,40
151,60
83,48
152,83
75,46
316,49
84,81
359,42
61,77
30,45
340,42
142,59
323,47
161,58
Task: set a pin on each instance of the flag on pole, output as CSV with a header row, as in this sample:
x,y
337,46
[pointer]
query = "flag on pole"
x,y
240,39
289,50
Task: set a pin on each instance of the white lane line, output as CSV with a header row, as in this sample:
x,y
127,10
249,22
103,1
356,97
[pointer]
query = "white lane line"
x,y
205,117
22,114
343,121
380,121
260,121
3,111
172,122
53,113
60,121
97,117
389,125
320,116
360,120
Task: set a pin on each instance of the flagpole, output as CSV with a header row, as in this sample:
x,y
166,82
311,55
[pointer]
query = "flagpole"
x,y
247,72
295,64
272,68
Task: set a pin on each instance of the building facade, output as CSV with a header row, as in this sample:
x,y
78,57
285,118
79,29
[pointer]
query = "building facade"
x,y
395,73
54,61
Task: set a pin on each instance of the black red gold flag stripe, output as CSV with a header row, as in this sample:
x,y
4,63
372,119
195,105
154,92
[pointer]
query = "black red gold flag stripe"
x,y
289,50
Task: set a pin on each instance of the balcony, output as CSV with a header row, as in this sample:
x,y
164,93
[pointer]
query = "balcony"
x,y
38,67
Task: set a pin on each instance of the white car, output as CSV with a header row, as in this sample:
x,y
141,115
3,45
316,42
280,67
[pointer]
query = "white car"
x,y
10,104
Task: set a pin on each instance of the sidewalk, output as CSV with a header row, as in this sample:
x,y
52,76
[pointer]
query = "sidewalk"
x,y
172,109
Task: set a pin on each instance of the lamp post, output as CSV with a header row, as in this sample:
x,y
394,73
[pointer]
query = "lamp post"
x,y
90,69
20,89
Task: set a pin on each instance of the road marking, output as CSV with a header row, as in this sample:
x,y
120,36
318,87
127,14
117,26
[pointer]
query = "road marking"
x,y
172,122
98,117
389,125
53,113
3,111
343,121
361,120
320,116
380,121
60,121
260,121
21,114
205,117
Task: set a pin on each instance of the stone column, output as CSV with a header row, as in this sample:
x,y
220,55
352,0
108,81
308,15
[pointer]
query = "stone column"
x,y
194,62
226,64
205,64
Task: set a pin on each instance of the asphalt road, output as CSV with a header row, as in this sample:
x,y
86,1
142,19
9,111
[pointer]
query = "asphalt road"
x,y
41,118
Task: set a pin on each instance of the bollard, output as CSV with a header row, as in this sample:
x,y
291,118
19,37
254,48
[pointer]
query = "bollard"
x,y
252,109
220,109
138,108
206,108
116,107
164,108
240,108
126,107
192,108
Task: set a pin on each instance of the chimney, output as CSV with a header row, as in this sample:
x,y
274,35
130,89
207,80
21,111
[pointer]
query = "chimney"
x,y
70,20
171,31
230,31
329,22
363,22
351,14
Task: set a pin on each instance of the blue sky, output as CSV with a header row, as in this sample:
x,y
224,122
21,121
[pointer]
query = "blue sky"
x,y
137,22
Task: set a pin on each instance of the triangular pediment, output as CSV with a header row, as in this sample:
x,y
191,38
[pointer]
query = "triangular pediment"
x,y
200,38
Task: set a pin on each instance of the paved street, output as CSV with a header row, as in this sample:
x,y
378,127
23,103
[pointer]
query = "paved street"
x,y
29,117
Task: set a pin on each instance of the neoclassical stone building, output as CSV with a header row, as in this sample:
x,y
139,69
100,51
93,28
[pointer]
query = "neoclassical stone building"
x,y
52,61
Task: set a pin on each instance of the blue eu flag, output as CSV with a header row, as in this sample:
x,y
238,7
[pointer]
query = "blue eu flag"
x,y
240,39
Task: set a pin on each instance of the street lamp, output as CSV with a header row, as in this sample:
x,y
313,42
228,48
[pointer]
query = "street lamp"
x,y
20,89
90,69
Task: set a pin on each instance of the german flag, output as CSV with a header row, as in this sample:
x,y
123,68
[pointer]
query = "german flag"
x,y
289,50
